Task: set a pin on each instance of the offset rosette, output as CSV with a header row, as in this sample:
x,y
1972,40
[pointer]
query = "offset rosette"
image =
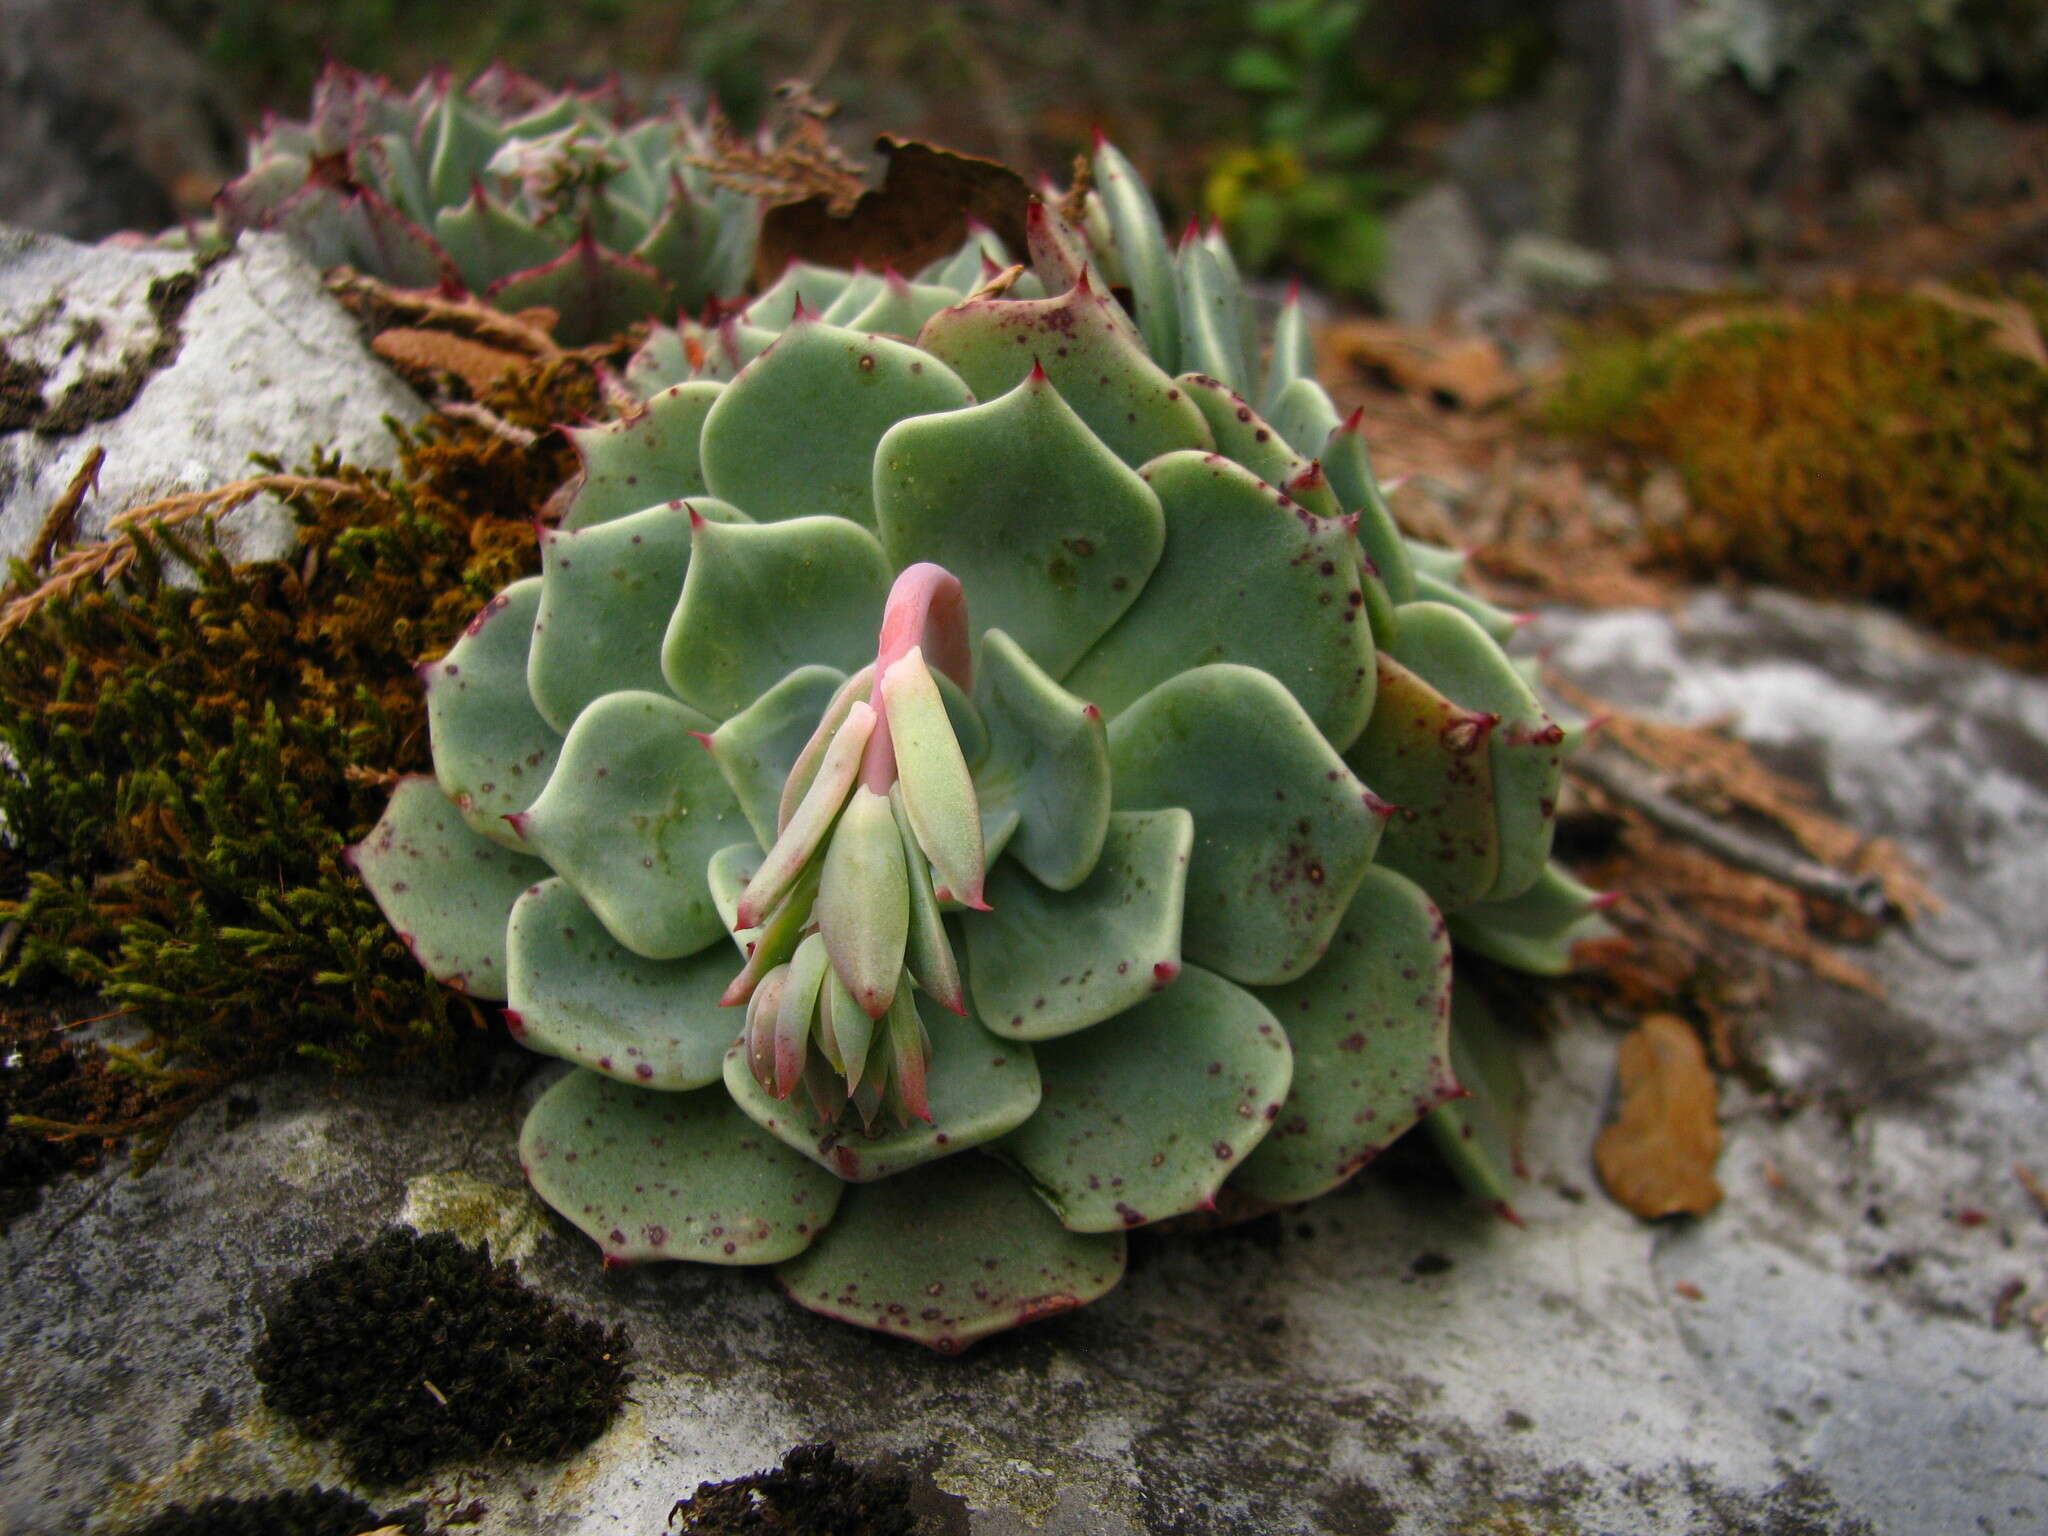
x,y
1089,778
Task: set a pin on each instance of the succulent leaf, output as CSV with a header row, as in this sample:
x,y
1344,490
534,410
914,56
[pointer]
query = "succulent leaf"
x,y
648,458
949,1254
1273,871
607,595
493,751
1140,245
1083,344
1247,576
1047,762
1480,1134
980,1088
758,748
447,891
1538,930
1245,437
595,291
574,991
1211,318
863,906
1051,534
938,793
1215,1065
671,1175
633,813
1370,1031
845,390
1046,963
804,833
762,599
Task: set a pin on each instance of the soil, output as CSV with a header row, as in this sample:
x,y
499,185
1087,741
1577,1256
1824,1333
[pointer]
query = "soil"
x,y
410,1351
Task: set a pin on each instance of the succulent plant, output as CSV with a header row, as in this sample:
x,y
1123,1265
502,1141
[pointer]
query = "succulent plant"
x,y
524,196
958,799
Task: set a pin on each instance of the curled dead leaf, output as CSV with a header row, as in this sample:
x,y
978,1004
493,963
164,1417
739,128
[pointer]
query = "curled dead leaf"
x,y
916,216
1657,1157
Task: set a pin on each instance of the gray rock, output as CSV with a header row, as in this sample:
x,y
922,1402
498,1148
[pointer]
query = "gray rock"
x,y
179,370
1437,256
1384,1360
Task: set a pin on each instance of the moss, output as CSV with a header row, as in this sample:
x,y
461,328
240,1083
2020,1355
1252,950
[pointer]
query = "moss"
x,y
1875,445
189,763
813,1493
300,1512
44,1077
410,1351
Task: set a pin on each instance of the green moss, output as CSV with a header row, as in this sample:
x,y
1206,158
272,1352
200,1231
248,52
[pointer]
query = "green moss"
x,y
1876,445
188,764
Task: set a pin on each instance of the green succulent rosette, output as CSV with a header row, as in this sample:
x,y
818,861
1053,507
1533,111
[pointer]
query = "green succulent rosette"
x,y
962,794
522,195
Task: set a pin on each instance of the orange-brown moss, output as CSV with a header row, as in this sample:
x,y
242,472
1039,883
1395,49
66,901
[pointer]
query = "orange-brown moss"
x,y
1876,445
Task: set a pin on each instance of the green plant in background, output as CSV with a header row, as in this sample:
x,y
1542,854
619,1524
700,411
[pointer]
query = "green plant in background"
x,y
956,799
1303,188
524,196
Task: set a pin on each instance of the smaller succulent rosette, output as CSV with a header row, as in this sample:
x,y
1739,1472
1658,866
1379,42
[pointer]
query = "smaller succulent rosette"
x,y
958,791
524,196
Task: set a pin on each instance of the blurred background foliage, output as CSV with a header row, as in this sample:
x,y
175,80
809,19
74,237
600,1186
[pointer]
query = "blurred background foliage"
x,y
1299,123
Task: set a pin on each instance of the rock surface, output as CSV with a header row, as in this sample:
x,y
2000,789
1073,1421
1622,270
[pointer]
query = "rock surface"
x,y
179,369
1818,1356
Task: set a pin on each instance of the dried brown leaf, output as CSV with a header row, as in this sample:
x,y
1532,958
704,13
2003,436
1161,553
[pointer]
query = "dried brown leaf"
x,y
1657,1156
916,216
422,356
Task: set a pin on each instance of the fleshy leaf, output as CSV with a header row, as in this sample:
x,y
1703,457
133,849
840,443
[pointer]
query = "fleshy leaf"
x,y
948,1255
1428,758
795,434
1480,1135
1497,623
446,890
1145,1117
1293,354
1140,245
979,1088
642,460
1084,344
902,308
635,809
1247,576
1272,871
756,748
1538,930
1211,318
487,241
1303,414
596,292
1048,761
1348,463
1046,963
492,750
938,793
671,1175
1449,650
607,595
1050,535
762,599
863,906
1370,1031
814,286
575,992
1241,434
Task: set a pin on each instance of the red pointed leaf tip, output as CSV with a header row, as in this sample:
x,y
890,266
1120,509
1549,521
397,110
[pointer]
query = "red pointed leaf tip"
x,y
517,822
1095,131
1037,375
975,227
802,311
1507,1212
1164,974
1034,212
515,1023
1386,810
896,282
1521,620
1355,422
1605,899
1193,233
1294,290
704,740
696,518
1091,712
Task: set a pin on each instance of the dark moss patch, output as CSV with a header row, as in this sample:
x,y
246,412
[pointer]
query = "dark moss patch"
x,y
813,1493
300,1512
45,1078
412,1351
100,394
190,762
